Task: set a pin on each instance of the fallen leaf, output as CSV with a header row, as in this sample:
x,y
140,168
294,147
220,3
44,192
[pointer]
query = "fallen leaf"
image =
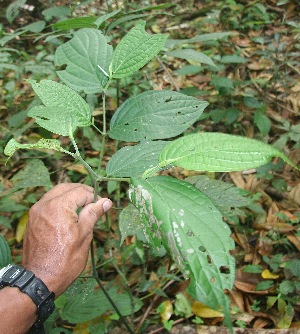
x,y
21,227
77,168
294,194
266,274
166,310
295,241
204,311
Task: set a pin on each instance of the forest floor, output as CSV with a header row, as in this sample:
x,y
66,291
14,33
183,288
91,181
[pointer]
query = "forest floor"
x,y
255,92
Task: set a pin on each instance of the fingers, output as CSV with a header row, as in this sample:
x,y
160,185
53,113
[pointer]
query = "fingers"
x,y
70,195
91,213
62,188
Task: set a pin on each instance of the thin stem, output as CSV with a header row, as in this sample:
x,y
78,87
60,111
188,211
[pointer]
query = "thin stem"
x,y
118,179
92,174
95,179
95,276
104,134
98,130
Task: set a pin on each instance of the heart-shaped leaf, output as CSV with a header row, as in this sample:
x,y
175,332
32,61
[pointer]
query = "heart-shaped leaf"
x,y
185,221
64,109
155,115
84,55
135,160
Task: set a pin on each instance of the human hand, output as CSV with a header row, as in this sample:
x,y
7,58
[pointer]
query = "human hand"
x,y
57,239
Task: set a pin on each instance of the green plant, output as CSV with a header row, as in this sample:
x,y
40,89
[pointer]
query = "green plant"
x,y
174,216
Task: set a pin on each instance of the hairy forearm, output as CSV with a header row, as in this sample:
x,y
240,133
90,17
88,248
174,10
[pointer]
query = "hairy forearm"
x,y
18,311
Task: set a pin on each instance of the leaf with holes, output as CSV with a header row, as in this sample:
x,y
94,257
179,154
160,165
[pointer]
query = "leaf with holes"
x,y
218,152
51,144
182,219
64,109
135,160
155,115
87,56
135,50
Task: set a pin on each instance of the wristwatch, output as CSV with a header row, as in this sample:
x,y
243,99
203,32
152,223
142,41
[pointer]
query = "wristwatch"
x,y
27,282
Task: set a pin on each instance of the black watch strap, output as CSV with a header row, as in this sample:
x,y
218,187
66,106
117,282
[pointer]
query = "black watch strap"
x,y
25,280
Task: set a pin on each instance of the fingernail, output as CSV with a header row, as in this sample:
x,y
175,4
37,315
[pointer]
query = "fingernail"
x,y
107,205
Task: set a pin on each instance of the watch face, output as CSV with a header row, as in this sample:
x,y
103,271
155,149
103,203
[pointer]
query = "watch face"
x,y
4,270
2,273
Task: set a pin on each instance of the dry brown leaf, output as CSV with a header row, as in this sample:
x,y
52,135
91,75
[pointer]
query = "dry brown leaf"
x,y
237,179
204,311
135,276
294,194
295,324
247,282
294,240
77,168
261,64
237,299
261,323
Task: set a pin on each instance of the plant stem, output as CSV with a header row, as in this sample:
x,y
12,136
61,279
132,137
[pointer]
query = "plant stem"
x,y
95,275
98,130
104,133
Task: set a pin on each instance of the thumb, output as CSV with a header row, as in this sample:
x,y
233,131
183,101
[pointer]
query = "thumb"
x,y
92,212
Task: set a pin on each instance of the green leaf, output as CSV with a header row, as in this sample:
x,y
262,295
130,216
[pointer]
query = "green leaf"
x,y
135,160
8,204
233,59
14,9
64,108
155,115
192,55
264,285
56,11
222,82
51,144
130,223
101,19
286,287
218,152
253,269
125,19
198,39
135,50
26,178
10,37
76,23
54,119
91,303
262,121
222,194
154,7
35,27
83,55
183,306
5,255
189,226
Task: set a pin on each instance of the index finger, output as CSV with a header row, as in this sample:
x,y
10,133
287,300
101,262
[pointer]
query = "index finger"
x,y
75,198
62,188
